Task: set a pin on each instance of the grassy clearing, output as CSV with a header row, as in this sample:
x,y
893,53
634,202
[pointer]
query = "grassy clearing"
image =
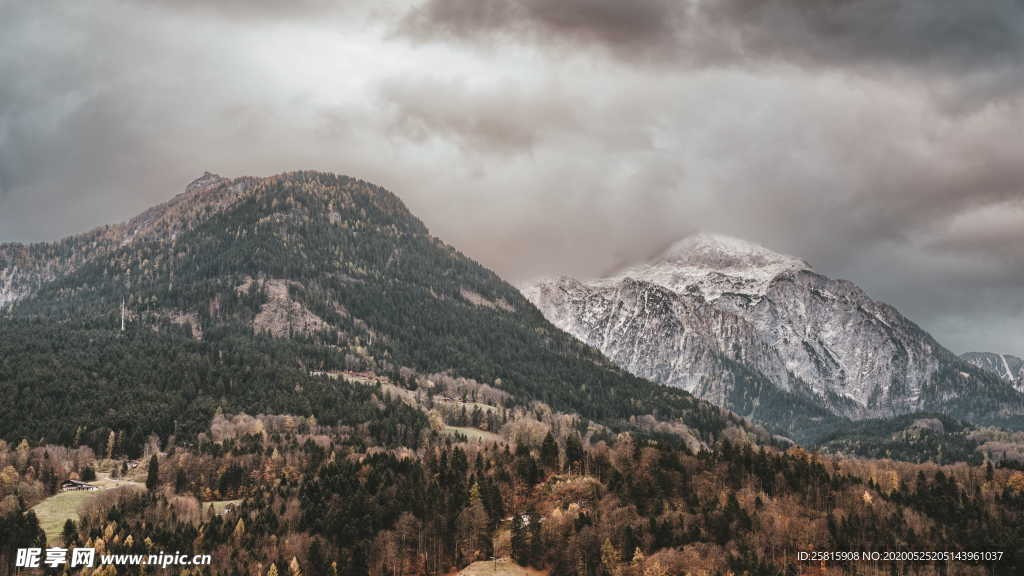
x,y
469,406
220,505
473,434
62,506
503,567
57,509
105,482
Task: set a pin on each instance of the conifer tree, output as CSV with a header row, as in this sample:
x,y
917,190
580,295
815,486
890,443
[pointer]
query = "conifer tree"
x,y
610,560
520,541
69,535
153,475
549,453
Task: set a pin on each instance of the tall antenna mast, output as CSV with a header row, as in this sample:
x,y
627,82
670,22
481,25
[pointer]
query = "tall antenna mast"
x,y
122,313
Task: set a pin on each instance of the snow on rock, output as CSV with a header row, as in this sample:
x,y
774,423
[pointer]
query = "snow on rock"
x,y
711,295
1007,367
7,291
16,283
713,265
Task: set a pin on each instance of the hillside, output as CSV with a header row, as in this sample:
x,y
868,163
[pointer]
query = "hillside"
x,y
237,290
1006,366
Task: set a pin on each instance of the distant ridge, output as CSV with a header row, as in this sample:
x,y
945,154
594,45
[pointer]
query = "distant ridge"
x,y
1006,366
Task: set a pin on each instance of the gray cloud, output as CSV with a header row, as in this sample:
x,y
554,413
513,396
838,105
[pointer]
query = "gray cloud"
x,y
919,32
835,32
630,26
489,117
878,139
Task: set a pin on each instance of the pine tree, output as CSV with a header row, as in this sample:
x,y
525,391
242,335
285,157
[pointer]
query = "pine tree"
x,y
111,442
473,526
358,564
153,475
520,541
22,452
239,531
536,543
549,453
573,451
316,558
610,560
638,558
69,535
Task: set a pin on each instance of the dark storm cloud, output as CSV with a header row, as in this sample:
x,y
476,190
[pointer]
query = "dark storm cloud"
x,y
944,34
634,25
878,139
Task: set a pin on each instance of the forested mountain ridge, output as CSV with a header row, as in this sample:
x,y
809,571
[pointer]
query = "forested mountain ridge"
x,y
925,437
316,271
26,267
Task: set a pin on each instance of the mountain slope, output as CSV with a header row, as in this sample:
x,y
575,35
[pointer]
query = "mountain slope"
x,y
316,271
812,337
910,438
1007,367
25,268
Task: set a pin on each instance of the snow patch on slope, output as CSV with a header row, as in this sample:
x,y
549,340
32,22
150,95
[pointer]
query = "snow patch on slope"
x,y
1006,366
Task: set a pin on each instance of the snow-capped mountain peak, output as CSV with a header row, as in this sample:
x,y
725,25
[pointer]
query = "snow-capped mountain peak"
x,y
760,333
713,265
717,251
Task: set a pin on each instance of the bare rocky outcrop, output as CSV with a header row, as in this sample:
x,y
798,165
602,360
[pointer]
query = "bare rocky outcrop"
x,y
281,316
477,299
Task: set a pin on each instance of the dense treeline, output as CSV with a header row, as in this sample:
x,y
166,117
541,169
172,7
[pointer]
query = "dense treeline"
x,y
912,438
565,504
796,414
79,385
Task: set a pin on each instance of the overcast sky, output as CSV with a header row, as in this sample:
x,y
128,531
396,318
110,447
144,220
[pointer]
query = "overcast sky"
x,y
881,140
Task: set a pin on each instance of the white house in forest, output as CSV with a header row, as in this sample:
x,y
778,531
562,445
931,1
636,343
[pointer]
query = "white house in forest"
x,y
74,485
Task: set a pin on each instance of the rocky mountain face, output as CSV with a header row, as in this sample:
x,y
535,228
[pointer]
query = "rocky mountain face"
x,y
710,303
237,292
1007,367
